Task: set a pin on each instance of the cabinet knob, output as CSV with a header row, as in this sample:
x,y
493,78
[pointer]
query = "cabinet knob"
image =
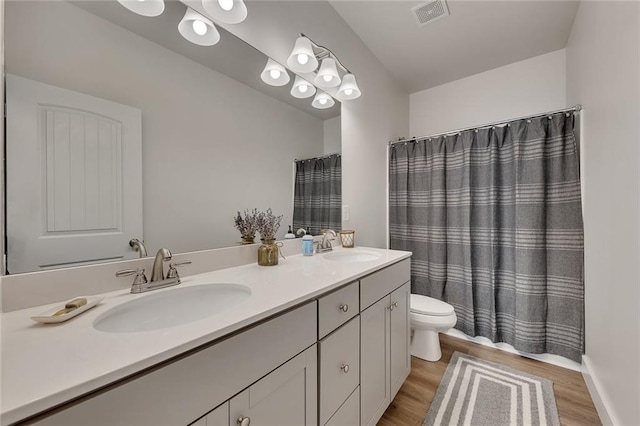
x,y
394,304
244,421
344,308
345,368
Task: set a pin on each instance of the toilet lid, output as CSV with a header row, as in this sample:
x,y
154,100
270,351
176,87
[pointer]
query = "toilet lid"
x,y
429,306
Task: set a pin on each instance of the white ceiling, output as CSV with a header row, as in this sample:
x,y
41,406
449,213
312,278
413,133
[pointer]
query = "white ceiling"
x,y
478,36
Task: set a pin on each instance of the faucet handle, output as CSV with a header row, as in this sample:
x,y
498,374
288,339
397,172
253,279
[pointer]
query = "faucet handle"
x,y
173,272
140,277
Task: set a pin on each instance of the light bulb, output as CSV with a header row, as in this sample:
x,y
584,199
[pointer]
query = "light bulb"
x,y
226,4
327,78
275,74
303,58
303,88
348,92
322,100
199,27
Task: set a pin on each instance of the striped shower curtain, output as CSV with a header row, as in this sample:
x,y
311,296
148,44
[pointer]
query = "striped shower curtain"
x,y
493,218
317,200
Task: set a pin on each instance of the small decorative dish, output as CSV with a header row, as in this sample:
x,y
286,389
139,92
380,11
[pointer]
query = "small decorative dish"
x,y
50,317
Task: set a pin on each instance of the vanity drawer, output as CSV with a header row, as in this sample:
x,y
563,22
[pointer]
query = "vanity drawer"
x,y
339,368
377,285
349,413
337,308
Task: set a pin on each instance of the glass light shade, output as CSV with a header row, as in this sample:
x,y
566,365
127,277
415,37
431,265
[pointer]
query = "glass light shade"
x,y
188,30
323,101
302,48
236,14
349,89
273,69
145,8
298,91
327,74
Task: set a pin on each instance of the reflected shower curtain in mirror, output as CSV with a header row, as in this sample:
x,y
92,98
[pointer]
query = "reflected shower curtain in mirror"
x,y
493,218
317,200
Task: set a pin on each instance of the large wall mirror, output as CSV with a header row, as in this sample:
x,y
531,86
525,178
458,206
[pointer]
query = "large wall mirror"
x,y
119,128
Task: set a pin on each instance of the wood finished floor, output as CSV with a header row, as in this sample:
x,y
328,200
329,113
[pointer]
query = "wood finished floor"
x,y
410,405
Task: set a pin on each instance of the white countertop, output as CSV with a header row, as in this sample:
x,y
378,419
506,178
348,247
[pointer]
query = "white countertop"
x,y
46,365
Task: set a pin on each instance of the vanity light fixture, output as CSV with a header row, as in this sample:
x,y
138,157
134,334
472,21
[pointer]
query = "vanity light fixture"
x,y
349,88
302,89
274,74
322,101
226,11
144,7
302,57
198,29
305,57
327,74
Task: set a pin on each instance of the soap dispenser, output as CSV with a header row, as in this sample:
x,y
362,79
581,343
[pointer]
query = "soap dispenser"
x,y
307,245
289,235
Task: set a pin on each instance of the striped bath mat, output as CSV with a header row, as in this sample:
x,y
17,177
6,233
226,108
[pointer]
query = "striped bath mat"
x,y
476,392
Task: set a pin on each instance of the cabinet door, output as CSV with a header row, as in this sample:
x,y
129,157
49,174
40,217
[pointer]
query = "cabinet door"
x,y
286,396
400,332
219,416
374,361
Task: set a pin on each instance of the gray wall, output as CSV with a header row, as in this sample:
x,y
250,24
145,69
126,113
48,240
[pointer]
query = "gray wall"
x,y
531,86
603,69
332,135
211,145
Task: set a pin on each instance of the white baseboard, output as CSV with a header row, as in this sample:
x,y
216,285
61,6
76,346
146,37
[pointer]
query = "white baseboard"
x,y
548,358
600,400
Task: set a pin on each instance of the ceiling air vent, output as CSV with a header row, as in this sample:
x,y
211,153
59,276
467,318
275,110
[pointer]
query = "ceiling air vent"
x,y
431,11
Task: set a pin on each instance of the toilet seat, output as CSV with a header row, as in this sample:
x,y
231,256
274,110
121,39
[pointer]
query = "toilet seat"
x,y
425,305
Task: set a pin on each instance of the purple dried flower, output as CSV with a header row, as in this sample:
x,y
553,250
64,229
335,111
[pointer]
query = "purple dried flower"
x,y
247,225
268,224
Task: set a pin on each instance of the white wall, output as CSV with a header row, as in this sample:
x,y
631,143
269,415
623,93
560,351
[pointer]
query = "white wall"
x,y
368,123
603,74
332,135
211,145
531,86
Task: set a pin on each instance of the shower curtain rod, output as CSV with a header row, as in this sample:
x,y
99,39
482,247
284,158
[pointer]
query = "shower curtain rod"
x,y
318,158
576,108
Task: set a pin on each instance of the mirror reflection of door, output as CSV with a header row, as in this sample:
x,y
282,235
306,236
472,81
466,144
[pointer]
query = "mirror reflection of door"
x,y
74,183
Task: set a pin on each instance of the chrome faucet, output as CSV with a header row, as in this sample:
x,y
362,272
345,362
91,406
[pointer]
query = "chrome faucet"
x,y
157,271
158,279
325,243
138,246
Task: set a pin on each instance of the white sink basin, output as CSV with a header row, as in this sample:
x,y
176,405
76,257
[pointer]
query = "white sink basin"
x,y
171,308
352,256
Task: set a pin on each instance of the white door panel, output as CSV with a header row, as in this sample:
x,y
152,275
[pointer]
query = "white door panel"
x,y
74,179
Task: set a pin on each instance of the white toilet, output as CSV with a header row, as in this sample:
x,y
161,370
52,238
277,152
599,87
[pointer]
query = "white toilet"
x,y
429,317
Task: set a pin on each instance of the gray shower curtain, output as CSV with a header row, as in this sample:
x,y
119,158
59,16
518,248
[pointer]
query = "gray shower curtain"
x,y
317,200
493,218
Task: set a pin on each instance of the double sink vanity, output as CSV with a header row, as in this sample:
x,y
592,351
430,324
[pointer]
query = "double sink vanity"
x,y
320,340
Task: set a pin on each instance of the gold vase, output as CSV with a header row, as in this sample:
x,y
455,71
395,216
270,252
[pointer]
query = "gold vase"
x,y
248,239
268,253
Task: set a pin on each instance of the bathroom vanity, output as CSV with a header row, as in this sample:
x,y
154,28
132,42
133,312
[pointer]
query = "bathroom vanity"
x,y
321,340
